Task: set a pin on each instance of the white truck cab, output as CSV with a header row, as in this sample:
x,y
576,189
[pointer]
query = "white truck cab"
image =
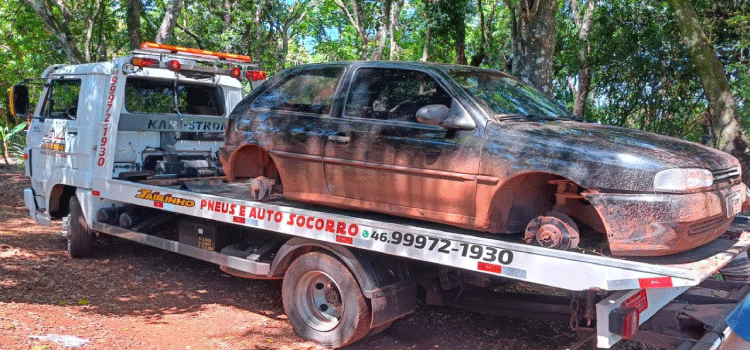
x,y
167,106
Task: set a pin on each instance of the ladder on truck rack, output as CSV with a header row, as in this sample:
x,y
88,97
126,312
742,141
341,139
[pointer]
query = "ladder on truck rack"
x,y
455,248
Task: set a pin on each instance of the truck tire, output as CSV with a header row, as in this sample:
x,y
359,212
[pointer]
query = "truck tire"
x,y
80,237
324,302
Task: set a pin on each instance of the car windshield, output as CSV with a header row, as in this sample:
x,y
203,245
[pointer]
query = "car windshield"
x,y
505,96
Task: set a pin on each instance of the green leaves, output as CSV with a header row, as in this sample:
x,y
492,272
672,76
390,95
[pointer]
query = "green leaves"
x,y
641,74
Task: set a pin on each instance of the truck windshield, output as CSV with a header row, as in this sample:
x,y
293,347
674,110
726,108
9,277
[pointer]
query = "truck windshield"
x,y
152,96
503,95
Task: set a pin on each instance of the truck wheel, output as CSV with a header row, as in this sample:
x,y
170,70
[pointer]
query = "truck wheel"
x,y
80,237
324,302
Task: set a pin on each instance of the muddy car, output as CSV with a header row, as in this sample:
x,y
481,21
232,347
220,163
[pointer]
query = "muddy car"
x,y
476,149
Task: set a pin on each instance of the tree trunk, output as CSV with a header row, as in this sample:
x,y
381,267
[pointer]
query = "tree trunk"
x,y
584,72
427,39
582,93
457,19
227,5
59,28
395,15
534,35
355,18
5,152
164,33
477,59
730,136
134,23
385,17
94,15
461,47
485,25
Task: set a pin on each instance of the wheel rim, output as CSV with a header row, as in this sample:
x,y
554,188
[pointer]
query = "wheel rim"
x,y
320,303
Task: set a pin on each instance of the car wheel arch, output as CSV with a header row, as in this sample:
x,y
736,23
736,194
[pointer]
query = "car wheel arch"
x,y
250,161
516,201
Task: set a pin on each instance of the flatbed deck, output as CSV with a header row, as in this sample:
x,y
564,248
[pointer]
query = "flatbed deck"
x,y
448,246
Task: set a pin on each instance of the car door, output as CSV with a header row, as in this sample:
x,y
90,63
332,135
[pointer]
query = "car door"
x,y
288,118
377,154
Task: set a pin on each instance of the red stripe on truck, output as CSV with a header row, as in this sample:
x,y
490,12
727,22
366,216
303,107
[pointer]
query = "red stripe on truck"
x,y
483,266
655,282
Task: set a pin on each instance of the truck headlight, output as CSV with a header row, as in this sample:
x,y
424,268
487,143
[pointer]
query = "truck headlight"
x,y
683,179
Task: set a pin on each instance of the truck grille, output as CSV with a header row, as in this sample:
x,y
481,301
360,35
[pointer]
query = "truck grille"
x,y
726,175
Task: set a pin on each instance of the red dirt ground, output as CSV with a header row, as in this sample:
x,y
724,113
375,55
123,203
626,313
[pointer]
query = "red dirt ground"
x,y
130,296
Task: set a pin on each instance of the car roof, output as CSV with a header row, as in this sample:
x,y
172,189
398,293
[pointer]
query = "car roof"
x,y
397,64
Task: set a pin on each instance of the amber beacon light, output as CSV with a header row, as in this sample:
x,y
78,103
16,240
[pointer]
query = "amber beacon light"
x,y
176,49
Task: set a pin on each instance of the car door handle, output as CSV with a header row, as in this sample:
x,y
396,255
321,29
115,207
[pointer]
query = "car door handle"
x,y
339,138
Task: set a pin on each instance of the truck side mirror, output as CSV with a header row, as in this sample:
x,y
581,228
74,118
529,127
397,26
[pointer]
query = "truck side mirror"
x,y
19,100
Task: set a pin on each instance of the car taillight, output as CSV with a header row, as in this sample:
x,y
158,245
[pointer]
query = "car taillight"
x,y
235,72
256,75
174,65
624,322
144,62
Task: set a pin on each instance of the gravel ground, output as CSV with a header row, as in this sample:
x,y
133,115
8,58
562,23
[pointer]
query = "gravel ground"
x,y
130,296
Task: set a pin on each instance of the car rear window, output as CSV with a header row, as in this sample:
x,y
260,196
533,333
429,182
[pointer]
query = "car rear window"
x,y
304,91
152,96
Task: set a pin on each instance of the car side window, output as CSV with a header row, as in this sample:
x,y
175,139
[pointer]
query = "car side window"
x,y
392,94
306,91
62,99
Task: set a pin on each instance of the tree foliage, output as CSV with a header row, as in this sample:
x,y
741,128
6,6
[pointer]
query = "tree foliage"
x,y
619,62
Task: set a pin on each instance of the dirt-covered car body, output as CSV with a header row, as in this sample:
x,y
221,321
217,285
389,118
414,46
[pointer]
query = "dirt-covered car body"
x,y
475,149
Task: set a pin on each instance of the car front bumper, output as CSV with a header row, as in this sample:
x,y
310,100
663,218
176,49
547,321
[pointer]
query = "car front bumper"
x,y
661,224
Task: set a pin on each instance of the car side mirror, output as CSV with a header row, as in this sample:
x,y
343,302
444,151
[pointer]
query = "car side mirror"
x,y
433,114
459,118
19,100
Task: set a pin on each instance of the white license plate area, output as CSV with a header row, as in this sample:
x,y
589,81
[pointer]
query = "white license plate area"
x,y
734,203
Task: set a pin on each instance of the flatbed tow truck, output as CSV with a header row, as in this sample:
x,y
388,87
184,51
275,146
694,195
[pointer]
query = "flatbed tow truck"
x,y
112,163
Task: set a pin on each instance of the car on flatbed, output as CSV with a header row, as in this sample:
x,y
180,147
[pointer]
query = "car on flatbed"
x,y
477,149
129,148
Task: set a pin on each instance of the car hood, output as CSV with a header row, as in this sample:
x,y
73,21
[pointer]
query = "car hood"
x,y
594,152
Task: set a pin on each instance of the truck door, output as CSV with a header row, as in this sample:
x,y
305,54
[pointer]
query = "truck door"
x,y
54,137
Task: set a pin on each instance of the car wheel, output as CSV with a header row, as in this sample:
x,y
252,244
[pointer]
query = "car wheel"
x,y
324,302
80,237
553,230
